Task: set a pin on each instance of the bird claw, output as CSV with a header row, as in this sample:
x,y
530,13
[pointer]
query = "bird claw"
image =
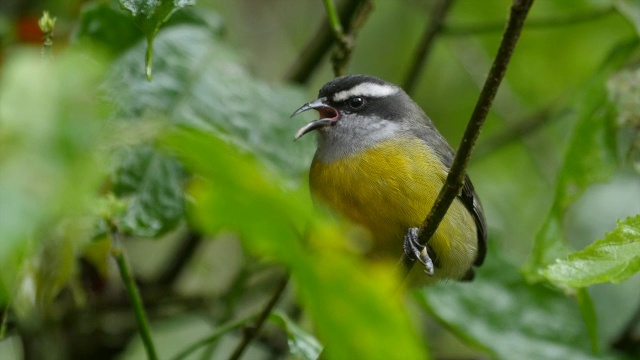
x,y
416,251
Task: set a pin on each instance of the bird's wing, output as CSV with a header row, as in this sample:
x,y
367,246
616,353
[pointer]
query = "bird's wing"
x,y
471,201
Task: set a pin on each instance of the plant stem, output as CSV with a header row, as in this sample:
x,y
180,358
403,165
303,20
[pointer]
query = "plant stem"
x,y
344,47
252,332
456,176
134,295
334,20
313,53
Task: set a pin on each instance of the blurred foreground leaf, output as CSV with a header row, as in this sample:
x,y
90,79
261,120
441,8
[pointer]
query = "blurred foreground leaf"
x,y
52,128
353,306
511,319
612,259
631,10
302,345
149,15
153,184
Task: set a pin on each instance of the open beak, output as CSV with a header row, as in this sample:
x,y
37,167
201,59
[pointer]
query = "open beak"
x,y
328,116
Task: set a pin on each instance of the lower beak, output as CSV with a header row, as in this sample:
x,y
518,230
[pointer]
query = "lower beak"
x,y
330,114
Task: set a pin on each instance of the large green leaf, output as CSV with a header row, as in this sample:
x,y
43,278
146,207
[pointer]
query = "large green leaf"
x,y
612,259
149,15
153,184
200,82
509,318
353,306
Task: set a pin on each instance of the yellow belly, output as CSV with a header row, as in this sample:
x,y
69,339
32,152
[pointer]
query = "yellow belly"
x,y
391,187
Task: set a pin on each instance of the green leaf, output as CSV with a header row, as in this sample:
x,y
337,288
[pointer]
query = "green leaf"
x,y
352,305
509,318
612,259
153,184
202,83
302,345
107,24
590,158
149,15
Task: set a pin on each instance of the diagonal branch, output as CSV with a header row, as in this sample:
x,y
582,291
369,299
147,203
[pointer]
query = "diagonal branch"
x,y
181,256
250,333
436,24
456,176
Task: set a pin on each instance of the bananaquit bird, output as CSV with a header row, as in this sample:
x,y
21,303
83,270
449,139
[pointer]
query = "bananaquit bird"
x,y
380,163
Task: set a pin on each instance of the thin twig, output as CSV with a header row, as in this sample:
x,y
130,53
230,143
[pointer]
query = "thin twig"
x,y
518,130
334,20
313,53
564,20
344,46
455,179
252,332
134,294
436,23
179,259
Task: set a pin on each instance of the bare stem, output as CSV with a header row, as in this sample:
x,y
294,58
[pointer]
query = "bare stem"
x,y
313,53
456,176
134,294
250,333
436,23
344,47
334,20
181,256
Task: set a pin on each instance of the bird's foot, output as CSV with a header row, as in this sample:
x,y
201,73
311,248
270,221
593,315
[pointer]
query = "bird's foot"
x,y
416,251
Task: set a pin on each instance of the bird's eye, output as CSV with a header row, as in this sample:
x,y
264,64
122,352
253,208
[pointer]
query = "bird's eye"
x,y
356,103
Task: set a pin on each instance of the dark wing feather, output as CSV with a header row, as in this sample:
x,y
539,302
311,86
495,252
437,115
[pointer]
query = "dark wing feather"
x,y
471,201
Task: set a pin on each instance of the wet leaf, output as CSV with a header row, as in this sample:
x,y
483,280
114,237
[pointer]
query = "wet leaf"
x,y
302,345
153,185
614,258
149,15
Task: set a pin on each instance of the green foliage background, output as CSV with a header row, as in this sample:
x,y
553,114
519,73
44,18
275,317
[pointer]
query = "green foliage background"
x,y
169,121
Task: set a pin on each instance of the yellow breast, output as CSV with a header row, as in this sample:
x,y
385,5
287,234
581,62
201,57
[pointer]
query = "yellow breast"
x,y
390,187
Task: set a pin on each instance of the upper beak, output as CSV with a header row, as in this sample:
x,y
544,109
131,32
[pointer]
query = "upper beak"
x,y
329,116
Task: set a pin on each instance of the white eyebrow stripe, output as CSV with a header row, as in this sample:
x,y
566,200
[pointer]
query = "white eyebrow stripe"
x,y
366,89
